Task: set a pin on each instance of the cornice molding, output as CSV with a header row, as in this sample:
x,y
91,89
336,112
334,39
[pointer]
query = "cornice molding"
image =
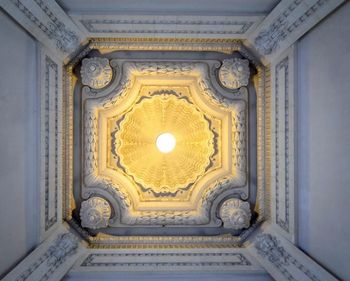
x,y
283,197
283,260
287,22
48,23
169,26
50,260
51,124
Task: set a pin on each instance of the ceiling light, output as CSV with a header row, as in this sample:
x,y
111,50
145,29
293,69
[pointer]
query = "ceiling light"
x,y
165,142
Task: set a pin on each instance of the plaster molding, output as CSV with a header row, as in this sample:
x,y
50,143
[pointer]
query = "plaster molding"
x,y
235,213
51,167
198,211
51,260
283,260
287,22
95,213
168,26
47,22
283,142
228,259
176,44
96,72
227,46
234,73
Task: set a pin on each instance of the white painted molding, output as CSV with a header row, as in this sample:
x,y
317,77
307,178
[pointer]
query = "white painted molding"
x,y
47,22
283,260
51,141
51,260
166,260
283,186
287,22
167,26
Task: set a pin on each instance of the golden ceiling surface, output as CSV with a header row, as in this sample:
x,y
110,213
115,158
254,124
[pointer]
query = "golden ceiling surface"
x,y
123,163
135,142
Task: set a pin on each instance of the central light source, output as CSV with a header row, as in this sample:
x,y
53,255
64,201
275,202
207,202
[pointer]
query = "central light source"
x,y
166,142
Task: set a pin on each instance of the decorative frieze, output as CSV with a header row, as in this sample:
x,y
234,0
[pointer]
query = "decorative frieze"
x,y
283,183
169,26
47,22
51,140
49,261
284,261
287,23
181,259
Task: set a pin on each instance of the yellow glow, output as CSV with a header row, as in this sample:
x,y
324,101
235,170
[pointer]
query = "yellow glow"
x,y
166,142
144,143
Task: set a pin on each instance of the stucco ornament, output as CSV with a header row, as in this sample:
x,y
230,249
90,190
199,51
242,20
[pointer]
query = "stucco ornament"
x,y
95,213
65,245
268,247
234,73
96,72
235,214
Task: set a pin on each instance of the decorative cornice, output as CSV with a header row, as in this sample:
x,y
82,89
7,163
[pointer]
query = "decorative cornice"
x,y
50,110
167,259
47,22
287,23
166,25
283,65
269,247
49,261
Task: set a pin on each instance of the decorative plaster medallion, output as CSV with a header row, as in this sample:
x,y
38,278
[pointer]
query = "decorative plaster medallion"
x,y
234,73
137,136
235,214
96,72
95,213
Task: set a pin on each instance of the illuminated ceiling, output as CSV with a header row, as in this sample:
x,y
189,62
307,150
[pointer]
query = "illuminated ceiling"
x,y
221,84
143,100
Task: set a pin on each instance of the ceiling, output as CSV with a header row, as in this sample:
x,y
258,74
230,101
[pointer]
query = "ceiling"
x,y
206,7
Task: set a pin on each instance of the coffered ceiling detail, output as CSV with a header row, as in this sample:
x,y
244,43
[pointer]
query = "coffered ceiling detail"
x,y
231,168
121,126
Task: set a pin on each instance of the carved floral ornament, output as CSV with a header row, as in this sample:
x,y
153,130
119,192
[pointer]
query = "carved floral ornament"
x,y
96,72
95,213
234,73
235,214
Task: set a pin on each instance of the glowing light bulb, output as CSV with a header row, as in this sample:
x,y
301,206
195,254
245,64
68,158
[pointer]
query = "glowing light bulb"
x,y
165,142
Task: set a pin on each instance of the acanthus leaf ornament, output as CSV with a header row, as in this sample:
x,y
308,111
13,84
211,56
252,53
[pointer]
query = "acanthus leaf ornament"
x,y
95,213
96,72
235,214
234,73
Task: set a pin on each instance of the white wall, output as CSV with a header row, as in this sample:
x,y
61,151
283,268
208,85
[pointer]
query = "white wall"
x,y
18,143
324,142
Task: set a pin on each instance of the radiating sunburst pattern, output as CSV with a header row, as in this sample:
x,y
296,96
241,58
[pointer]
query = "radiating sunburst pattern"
x,y
135,143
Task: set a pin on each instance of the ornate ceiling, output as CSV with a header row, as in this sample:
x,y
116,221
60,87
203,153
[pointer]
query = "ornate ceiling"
x,y
145,99
223,197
